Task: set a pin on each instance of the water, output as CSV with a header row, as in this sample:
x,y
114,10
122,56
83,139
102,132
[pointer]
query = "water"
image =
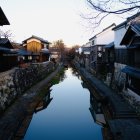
x,y
67,117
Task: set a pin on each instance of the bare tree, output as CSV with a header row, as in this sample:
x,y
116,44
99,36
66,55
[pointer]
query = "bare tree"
x,y
6,34
71,52
59,44
75,46
103,8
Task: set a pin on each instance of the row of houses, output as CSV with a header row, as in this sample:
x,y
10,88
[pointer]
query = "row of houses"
x,y
32,49
113,55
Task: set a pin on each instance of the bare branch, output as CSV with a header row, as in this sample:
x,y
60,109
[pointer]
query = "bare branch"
x,y
120,11
102,8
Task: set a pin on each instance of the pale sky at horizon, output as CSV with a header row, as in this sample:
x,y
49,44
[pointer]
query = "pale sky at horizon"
x,y
49,19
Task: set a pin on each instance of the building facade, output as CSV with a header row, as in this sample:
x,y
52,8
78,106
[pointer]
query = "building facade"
x,y
8,58
97,60
38,47
131,40
121,52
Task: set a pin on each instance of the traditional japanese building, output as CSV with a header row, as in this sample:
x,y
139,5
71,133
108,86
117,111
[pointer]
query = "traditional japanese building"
x,y
8,56
131,40
97,48
55,54
38,47
109,61
121,51
3,18
84,55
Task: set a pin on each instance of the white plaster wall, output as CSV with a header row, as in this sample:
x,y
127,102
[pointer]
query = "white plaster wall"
x,y
80,50
119,34
86,52
87,44
105,37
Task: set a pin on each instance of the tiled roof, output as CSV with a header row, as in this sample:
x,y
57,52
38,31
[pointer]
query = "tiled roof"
x,y
3,19
45,51
7,50
3,48
86,49
134,72
134,28
127,20
110,45
39,38
103,30
24,52
4,42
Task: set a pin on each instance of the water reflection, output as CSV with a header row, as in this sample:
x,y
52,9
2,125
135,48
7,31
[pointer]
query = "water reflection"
x,y
67,117
96,110
59,78
44,103
75,73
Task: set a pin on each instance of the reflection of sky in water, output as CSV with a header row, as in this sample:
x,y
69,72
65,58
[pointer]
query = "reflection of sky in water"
x,y
67,116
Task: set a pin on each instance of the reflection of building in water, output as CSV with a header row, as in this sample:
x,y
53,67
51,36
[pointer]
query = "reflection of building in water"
x,y
96,110
84,85
44,103
98,116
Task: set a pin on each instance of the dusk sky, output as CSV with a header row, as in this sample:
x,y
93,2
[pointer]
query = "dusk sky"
x,y
49,19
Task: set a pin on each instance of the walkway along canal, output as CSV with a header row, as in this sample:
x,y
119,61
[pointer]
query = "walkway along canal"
x,y
64,113
122,121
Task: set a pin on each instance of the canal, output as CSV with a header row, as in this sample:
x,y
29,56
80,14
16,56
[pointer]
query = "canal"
x,y
67,115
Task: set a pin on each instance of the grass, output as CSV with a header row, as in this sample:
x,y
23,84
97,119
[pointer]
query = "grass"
x,y
55,80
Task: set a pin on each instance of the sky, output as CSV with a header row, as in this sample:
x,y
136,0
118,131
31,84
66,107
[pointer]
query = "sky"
x,y
50,19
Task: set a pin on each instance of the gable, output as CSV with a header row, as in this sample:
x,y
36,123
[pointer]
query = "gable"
x,y
3,19
5,43
127,37
132,34
37,39
33,39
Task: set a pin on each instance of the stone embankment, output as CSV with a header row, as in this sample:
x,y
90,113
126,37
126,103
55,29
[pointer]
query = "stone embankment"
x,y
15,82
124,122
15,120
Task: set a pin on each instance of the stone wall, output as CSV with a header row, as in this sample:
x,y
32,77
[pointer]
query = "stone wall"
x,y
119,78
16,81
